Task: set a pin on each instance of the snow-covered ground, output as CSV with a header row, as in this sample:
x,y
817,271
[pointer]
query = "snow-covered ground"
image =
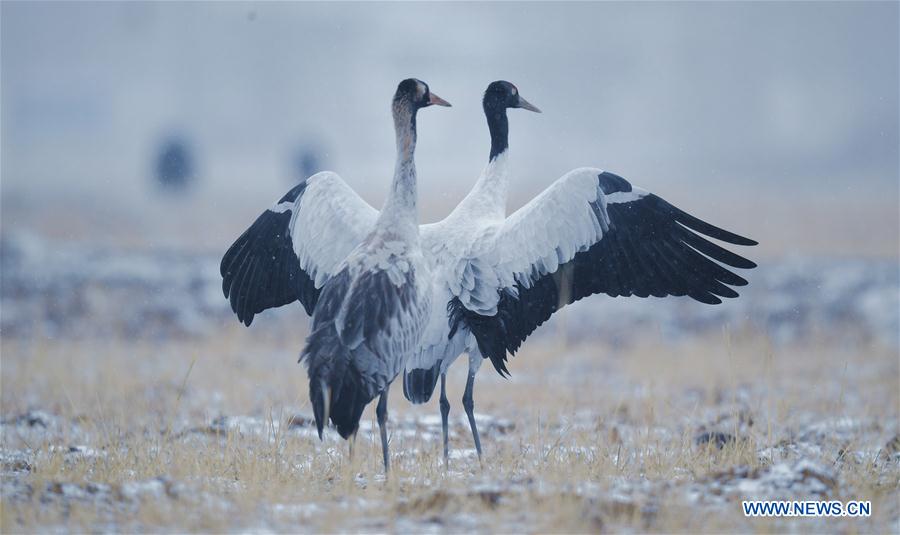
x,y
133,400
601,467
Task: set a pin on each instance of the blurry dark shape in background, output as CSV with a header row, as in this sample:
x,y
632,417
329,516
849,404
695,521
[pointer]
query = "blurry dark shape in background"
x,y
175,167
308,159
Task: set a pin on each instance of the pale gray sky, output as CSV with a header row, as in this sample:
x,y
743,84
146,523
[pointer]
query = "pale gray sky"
x,y
794,97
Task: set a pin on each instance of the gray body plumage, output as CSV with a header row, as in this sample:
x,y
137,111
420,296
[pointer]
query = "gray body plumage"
x,y
367,321
371,310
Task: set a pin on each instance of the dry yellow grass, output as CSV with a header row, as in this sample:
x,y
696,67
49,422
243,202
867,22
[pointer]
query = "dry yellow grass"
x,y
592,438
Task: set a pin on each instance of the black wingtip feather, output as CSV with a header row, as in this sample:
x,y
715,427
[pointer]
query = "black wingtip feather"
x,y
261,271
698,225
705,298
715,252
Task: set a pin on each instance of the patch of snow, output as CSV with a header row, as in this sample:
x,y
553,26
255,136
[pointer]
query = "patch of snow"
x,y
301,510
781,481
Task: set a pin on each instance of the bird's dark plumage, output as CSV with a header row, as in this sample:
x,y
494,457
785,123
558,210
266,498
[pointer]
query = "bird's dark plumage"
x,y
419,383
652,248
260,270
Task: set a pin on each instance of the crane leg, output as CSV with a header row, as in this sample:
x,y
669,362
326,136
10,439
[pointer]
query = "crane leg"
x,y
381,414
469,405
445,412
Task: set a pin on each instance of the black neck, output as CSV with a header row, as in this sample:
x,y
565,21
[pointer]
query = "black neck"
x,y
498,125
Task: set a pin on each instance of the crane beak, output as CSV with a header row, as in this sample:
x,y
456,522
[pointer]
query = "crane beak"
x,y
525,105
436,100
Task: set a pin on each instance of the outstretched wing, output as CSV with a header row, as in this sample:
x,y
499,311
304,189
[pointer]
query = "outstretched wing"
x,y
289,252
592,232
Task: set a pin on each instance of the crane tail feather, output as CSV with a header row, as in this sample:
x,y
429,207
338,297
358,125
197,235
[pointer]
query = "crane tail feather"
x,y
419,383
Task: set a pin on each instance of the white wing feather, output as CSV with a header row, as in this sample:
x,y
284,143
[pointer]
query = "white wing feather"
x,y
551,229
329,222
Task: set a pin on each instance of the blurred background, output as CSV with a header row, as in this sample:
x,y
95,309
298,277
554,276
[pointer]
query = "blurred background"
x,y
778,120
139,139
136,128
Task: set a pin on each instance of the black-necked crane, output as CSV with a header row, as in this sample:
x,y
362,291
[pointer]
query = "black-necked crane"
x,y
498,278
360,273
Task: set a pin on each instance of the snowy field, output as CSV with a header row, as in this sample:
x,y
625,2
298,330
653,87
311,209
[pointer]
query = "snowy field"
x,y
133,401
